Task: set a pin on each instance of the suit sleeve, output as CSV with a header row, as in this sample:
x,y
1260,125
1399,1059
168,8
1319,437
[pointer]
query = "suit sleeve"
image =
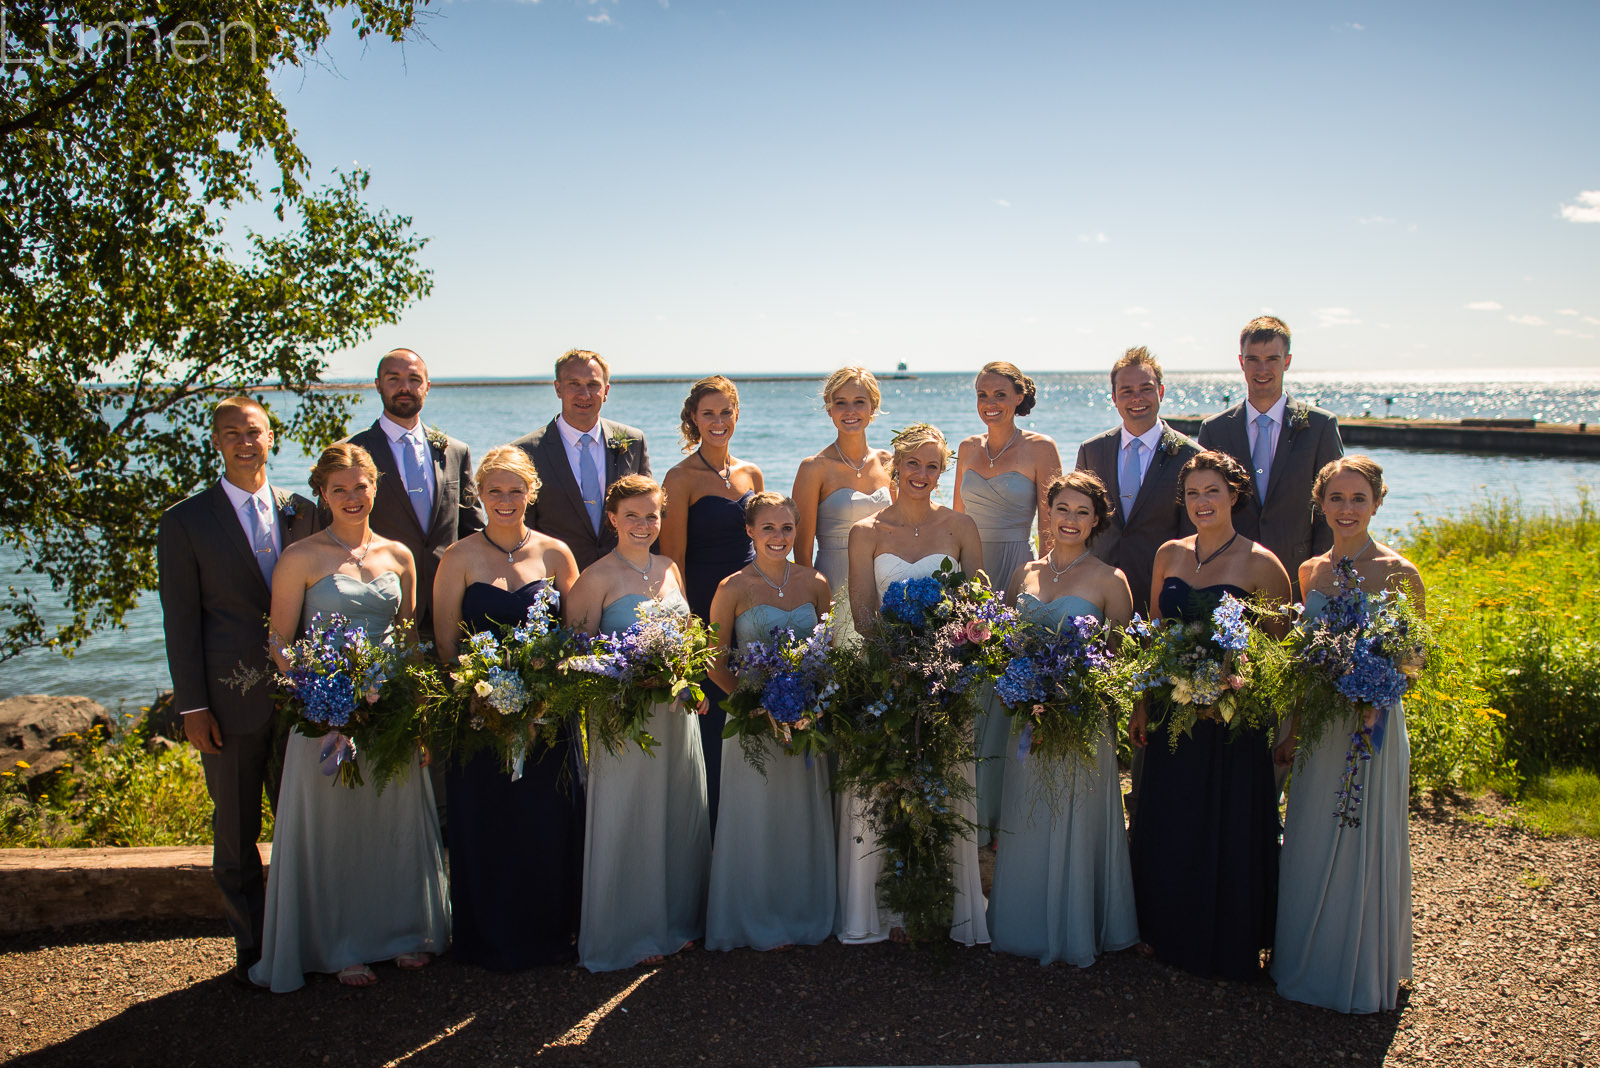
x,y
1206,436
181,614
470,514
1330,446
644,457
1082,463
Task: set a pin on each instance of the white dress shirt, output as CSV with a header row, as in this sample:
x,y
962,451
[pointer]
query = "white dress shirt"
x,y
569,438
1275,430
393,430
1149,439
240,498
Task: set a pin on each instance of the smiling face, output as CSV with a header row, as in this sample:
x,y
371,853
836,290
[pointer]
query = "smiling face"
x,y
1072,517
1138,398
771,531
638,520
1263,363
504,496
851,408
1348,504
244,438
583,387
403,384
998,398
919,470
348,494
1208,499
715,416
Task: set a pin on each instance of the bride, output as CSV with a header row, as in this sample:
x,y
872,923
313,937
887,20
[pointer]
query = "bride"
x,y
910,538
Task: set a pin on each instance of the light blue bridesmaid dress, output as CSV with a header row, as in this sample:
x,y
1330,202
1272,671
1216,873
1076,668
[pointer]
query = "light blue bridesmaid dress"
x,y
836,514
1063,887
1003,507
1344,893
356,876
772,871
647,837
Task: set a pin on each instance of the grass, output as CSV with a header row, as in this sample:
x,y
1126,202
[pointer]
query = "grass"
x,y
1562,803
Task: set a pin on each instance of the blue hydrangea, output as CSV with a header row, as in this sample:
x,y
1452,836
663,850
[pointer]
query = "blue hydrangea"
x,y
908,600
786,696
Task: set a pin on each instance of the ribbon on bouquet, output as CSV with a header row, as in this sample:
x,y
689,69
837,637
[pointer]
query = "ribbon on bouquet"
x,y
336,749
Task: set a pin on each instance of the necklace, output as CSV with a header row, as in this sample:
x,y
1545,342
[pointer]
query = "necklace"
x,y
1199,563
642,572
366,545
727,469
1363,551
857,468
1015,434
1055,576
526,534
780,587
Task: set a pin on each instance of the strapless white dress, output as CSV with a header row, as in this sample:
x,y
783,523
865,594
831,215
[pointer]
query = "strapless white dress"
x,y
859,918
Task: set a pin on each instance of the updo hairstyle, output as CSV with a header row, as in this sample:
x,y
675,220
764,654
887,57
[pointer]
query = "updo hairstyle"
x,y
513,461
764,500
1365,466
341,456
631,486
1088,484
1231,470
709,384
1024,385
912,438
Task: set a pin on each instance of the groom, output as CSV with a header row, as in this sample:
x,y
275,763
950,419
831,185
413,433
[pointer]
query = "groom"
x,y
578,456
216,552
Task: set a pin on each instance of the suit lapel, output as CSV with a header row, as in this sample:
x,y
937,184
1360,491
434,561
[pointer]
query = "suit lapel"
x,y
377,444
233,533
1280,455
1157,463
606,430
555,458
441,466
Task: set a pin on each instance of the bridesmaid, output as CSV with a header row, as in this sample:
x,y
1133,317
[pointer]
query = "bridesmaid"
x,y
704,535
647,844
1001,477
845,482
1063,888
910,538
356,875
516,846
1344,896
772,869
1205,847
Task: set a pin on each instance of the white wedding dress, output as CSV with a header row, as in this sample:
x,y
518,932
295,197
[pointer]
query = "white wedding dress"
x,y
859,918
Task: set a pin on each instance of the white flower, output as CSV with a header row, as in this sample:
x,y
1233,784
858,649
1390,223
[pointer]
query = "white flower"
x,y
483,689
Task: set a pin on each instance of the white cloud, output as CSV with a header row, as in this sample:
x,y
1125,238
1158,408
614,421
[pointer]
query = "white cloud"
x,y
1336,317
1526,320
1003,203
1566,311
1030,319
1586,210
1136,310
1585,337
603,18
1098,239
1376,220
1591,320
1565,333
1485,305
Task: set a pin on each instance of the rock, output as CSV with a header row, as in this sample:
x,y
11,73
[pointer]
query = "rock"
x,y
34,730
162,719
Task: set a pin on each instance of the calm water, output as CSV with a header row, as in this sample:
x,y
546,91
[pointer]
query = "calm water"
x,y
782,422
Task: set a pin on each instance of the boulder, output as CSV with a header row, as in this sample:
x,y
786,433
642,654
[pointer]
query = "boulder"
x,y
37,730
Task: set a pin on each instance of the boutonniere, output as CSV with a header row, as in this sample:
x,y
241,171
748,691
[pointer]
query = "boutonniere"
x,y
287,510
620,441
1299,417
1171,442
437,438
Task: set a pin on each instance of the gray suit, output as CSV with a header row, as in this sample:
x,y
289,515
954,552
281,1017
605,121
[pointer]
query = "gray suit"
x,y
214,606
1157,516
558,511
1288,521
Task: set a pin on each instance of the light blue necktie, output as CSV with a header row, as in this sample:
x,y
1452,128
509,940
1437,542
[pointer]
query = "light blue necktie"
x,y
261,538
416,484
589,480
1131,475
1261,455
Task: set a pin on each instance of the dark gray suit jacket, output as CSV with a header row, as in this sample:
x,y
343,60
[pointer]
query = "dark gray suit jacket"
x,y
1288,521
558,511
214,603
455,515
1157,516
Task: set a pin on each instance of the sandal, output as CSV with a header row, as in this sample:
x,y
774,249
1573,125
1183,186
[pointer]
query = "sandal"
x,y
412,961
356,975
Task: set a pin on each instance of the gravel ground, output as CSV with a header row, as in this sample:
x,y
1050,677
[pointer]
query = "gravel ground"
x,y
1507,962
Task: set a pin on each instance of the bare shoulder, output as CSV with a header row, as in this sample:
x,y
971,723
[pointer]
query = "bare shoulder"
x,y
961,521
1175,549
1036,442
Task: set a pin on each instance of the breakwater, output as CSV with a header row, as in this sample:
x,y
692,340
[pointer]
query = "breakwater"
x,y
1527,437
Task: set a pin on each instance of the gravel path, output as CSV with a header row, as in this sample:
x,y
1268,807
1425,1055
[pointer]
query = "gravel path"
x,y
1507,960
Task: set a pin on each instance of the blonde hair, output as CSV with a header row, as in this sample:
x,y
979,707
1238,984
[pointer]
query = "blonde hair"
x,y
843,377
580,356
341,456
1365,466
238,403
1023,384
1261,330
709,384
1136,357
767,499
630,486
513,461
912,438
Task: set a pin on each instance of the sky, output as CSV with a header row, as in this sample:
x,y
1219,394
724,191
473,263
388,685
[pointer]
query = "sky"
x,y
793,186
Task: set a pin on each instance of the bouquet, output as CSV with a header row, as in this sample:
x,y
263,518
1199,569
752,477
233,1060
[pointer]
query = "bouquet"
x,y
620,677
1060,684
906,732
786,689
1204,670
1354,661
503,688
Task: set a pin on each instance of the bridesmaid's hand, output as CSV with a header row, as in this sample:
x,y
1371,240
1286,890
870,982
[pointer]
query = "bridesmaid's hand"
x,y
703,707
1136,724
1283,752
425,757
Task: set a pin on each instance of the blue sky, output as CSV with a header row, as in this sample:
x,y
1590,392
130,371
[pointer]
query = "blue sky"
x,y
744,186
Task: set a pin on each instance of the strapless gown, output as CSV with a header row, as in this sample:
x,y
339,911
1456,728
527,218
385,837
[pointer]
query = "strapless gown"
x,y
772,871
647,844
836,514
1063,887
1344,893
516,848
859,917
1003,507
357,876
717,546
1205,846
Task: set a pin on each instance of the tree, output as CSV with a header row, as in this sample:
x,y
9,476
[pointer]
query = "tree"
x,y
124,311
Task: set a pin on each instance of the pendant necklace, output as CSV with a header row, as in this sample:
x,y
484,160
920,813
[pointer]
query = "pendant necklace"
x,y
857,468
366,545
642,572
1360,554
727,468
1015,434
1199,563
777,586
1055,576
526,534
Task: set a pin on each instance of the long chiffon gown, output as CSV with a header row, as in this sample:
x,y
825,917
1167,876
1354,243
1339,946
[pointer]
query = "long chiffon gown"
x,y
772,871
860,919
1003,507
1063,886
836,514
1344,895
357,876
717,546
516,848
647,846
1205,847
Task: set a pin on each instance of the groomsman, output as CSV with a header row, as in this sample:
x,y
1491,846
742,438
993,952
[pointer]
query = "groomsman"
x,y
216,552
1139,462
425,494
1283,443
578,456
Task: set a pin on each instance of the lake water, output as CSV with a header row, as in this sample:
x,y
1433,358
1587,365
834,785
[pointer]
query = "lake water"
x,y
782,422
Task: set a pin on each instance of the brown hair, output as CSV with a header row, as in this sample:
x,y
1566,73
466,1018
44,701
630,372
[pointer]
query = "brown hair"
x,y
1261,330
1022,382
581,355
914,437
767,499
1087,483
1136,357
341,456
843,377
235,403
1365,466
629,486
709,384
514,461
1231,470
